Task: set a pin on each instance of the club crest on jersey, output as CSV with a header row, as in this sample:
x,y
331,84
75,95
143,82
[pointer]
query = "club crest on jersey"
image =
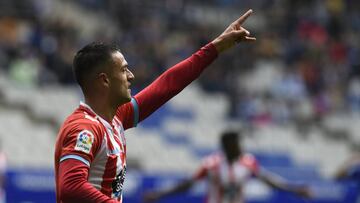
x,y
84,141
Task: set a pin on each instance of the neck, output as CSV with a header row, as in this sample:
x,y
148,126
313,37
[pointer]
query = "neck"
x,y
102,108
232,159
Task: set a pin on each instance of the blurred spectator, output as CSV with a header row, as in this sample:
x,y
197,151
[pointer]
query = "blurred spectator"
x,y
316,43
354,94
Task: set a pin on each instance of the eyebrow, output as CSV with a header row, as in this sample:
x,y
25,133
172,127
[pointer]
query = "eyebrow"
x,y
124,63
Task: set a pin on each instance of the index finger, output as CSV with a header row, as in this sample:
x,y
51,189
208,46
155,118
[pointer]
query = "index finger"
x,y
242,18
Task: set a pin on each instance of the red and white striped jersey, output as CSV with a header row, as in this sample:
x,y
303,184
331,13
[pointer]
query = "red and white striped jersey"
x,y
85,139
100,145
225,181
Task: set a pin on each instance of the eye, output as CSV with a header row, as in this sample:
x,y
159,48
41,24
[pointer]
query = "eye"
x,y
126,69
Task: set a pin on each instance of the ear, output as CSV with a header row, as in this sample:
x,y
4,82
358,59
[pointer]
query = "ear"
x,y
104,79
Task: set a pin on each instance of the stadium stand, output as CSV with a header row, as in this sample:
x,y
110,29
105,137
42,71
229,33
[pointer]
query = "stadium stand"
x,y
295,96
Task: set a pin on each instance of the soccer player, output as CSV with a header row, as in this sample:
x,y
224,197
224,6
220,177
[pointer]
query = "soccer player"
x,y
227,172
90,151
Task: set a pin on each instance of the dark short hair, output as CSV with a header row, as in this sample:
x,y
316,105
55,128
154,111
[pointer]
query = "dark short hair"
x,y
229,136
90,59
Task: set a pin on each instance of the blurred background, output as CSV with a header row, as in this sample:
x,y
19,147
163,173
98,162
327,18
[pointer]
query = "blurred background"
x,y
294,94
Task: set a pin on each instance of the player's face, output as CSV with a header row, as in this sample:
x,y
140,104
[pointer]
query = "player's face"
x,y
120,79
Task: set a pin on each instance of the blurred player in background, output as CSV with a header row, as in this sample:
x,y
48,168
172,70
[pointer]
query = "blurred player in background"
x,y
90,153
227,172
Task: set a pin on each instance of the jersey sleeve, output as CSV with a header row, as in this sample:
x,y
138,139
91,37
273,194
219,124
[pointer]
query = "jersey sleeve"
x,y
208,163
74,185
128,114
173,81
81,142
200,173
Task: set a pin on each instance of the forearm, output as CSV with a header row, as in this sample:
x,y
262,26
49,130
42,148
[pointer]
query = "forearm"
x,y
175,79
182,187
284,185
74,186
276,182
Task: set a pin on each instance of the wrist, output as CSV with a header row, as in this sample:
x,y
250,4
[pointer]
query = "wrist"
x,y
218,45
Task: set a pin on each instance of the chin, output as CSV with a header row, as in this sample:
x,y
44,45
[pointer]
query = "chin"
x,y
124,100
127,98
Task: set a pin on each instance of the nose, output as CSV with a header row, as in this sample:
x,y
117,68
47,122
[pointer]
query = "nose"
x,y
130,75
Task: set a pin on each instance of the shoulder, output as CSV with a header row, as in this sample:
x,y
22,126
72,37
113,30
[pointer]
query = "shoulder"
x,y
249,161
212,160
80,121
80,133
248,158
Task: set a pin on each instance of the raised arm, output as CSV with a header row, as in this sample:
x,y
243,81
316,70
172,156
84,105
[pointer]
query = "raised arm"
x,y
277,182
175,79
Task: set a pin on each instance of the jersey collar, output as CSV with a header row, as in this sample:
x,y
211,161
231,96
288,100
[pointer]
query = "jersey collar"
x,y
103,121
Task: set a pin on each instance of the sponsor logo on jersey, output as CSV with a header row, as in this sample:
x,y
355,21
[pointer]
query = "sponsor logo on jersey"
x,y
84,141
118,182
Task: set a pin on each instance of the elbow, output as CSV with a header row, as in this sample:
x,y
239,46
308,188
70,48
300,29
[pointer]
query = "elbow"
x,y
69,191
66,194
